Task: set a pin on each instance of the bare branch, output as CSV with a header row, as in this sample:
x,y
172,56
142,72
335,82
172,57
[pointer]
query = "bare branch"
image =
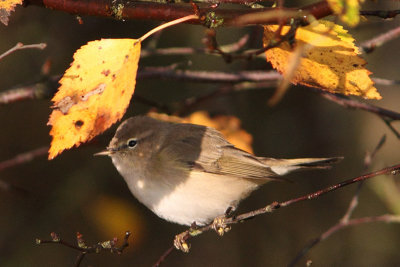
x,y
170,51
370,45
20,46
351,103
345,220
23,158
194,231
208,76
388,218
109,245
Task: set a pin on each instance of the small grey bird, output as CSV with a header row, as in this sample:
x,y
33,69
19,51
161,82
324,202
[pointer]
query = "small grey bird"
x,y
189,173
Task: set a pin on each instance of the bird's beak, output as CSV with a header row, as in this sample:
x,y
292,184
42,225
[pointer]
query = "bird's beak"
x,y
106,152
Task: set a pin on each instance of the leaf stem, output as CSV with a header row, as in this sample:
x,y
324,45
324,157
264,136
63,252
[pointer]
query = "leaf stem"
x,y
166,25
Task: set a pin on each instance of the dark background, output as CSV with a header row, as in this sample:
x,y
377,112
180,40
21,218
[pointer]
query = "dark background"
x,y
77,192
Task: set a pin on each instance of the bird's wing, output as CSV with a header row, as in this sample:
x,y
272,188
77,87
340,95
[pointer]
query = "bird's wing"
x,y
200,148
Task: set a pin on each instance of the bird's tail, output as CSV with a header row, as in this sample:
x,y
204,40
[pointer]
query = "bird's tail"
x,y
284,166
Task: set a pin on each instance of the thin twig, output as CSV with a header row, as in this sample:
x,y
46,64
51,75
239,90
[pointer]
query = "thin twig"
x,y
276,205
370,45
109,245
351,103
385,82
20,46
345,220
388,218
208,76
23,158
388,116
164,256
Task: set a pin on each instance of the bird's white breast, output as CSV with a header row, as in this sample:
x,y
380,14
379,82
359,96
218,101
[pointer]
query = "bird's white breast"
x,y
200,197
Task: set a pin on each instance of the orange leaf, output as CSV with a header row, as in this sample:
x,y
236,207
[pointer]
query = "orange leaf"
x,y
94,93
229,126
330,61
6,6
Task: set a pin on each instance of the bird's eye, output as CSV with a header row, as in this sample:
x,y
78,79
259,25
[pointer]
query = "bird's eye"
x,y
131,143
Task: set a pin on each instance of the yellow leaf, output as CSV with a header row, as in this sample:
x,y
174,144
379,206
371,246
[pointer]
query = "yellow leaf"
x,y
229,126
330,62
94,93
347,10
6,6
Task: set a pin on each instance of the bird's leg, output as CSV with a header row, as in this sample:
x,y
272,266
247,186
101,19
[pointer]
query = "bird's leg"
x,y
180,239
219,223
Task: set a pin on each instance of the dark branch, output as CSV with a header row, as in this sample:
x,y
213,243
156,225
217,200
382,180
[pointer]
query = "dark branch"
x,y
23,158
109,245
384,14
350,103
345,220
387,218
123,10
194,231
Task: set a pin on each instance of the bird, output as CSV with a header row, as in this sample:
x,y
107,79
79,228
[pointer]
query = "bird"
x,y
190,174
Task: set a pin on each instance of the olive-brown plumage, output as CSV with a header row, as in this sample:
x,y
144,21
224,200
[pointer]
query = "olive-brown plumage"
x,y
188,173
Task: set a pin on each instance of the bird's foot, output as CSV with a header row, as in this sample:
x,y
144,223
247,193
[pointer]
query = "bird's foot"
x,y
220,226
180,242
180,239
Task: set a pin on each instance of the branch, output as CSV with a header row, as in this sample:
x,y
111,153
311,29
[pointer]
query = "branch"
x,y
384,14
21,46
171,51
40,90
370,45
81,246
208,76
388,116
223,227
388,218
123,10
345,220
23,158
18,160
351,103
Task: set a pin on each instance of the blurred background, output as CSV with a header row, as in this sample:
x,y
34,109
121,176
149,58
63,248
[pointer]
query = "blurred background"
x,y
77,192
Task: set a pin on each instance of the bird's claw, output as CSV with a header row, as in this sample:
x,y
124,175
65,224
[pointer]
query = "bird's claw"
x,y
220,226
180,242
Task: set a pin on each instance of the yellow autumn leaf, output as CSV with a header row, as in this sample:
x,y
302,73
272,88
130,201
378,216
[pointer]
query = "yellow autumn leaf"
x,y
6,6
94,93
347,10
229,126
330,62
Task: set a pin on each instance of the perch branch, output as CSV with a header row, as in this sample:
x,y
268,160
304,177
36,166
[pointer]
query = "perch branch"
x,y
274,206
